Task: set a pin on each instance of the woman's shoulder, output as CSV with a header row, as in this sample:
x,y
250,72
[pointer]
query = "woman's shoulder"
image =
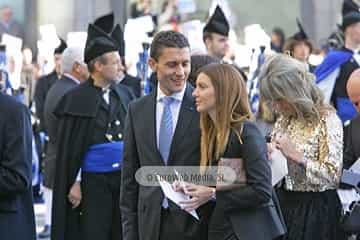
x,y
250,141
248,130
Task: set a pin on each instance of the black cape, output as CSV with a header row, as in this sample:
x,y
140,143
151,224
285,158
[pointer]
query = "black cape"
x,y
76,111
57,91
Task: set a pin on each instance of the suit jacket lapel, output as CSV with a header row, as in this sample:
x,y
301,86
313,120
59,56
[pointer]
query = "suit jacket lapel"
x,y
186,115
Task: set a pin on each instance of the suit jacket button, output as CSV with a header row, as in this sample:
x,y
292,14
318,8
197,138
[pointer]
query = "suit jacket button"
x,y
109,137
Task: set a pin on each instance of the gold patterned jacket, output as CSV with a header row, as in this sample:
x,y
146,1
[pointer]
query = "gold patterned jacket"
x,y
322,148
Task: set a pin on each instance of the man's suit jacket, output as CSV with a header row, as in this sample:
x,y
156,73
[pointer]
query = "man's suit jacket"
x,y
252,210
14,29
133,83
352,142
42,87
141,205
53,97
17,221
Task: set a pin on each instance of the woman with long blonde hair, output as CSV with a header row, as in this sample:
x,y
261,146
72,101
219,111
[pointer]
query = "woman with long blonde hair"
x,y
228,134
309,134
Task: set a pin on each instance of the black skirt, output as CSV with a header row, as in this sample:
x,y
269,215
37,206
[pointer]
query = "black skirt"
x,y
311,215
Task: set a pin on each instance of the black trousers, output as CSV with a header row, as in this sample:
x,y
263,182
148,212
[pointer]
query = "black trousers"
x,y
100,208
176,224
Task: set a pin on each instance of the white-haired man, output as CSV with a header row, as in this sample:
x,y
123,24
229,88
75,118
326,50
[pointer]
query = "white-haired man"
x,y
74,72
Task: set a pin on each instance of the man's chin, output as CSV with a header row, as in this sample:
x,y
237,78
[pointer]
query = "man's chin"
x,y
178,87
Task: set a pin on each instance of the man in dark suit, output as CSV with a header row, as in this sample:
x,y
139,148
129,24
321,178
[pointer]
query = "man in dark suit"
x,y
17,219
8,24
352,139
352,130
44,83
134,83
74,72
162,129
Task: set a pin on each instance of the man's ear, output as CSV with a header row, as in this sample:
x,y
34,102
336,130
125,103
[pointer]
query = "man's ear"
x,y
75,67
98,66
153,64
207,42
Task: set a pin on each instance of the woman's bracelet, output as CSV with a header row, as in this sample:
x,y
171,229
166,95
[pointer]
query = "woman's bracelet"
x,y
213,196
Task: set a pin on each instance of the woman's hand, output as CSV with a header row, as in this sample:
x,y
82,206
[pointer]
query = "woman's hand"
x,y
178,186
287,147
199,195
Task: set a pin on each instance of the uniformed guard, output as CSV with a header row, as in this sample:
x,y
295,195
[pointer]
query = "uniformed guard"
x,y
333,73
87,181
216,37
216,34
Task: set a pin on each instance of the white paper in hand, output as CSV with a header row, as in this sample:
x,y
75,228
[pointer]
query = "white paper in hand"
x,y
347,196
279,168
356,166
176,197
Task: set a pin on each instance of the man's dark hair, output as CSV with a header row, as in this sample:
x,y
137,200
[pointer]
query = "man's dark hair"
x,y
207,35
91,65
197,62
167,39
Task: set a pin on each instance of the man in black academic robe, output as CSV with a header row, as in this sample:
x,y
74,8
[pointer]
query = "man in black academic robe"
x,y
106,23
86,201
74,72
